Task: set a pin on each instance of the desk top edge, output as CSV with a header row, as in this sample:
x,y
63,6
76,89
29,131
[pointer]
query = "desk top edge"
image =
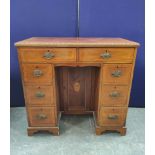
x,y
75,42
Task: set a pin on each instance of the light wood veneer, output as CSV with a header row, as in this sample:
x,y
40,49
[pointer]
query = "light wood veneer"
x,y
76,76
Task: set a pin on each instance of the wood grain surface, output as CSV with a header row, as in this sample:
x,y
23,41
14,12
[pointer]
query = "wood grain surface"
x,y
77,76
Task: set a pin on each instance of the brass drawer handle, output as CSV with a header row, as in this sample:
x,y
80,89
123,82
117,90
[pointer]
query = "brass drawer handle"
x,y
116,73
113,117
48,55
41,116
37,73
106,55
39,94
114,94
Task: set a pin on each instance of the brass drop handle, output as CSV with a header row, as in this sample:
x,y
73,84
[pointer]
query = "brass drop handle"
x,y
116,73
41,116
114,94
113,117
39,94
37,73
48,55
106,55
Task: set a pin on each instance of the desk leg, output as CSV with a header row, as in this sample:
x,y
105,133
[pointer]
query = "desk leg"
x,y
53,130
101,129
121,130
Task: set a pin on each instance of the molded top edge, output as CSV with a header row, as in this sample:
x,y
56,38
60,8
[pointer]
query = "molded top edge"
x,y
75,42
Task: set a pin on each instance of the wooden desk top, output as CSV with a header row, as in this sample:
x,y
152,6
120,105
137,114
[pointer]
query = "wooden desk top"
x,y
75,42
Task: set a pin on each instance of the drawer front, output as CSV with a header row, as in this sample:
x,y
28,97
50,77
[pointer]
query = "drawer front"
x,y
114,95
39,95
106,55
47,55
39,116
37,73
112,116
117,73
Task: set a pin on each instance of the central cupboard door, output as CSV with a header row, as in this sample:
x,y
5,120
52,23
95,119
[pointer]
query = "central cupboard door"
x,y
76,87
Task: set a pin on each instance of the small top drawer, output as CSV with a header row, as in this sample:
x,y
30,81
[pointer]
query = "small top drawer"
x,y
37,73
47,55
108,55
117,73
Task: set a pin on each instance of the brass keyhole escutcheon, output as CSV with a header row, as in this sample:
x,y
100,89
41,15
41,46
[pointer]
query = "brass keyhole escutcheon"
x,y
48,55
76,86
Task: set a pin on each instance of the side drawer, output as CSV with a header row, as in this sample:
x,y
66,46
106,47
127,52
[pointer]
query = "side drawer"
x,y
47,55
37,73
107,55
114,95
39,95
117,73
39,116
112,116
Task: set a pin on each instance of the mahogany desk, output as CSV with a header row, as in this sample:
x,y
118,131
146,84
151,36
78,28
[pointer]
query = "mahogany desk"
x,y
76,76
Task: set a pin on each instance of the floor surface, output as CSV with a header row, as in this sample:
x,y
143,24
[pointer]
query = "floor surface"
x,y
77,137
